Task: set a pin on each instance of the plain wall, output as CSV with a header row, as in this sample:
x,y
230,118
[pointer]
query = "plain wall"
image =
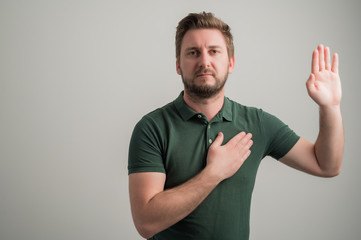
x,y
76,76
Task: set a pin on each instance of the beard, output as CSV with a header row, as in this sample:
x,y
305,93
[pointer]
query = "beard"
x,y
203,91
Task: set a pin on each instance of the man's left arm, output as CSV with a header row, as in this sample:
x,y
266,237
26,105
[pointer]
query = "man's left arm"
x,y
324,157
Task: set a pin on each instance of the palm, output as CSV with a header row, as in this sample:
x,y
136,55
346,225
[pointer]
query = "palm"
x,y
324,85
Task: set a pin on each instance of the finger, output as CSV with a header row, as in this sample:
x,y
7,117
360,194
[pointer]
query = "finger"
x,y
219,140
335,63
246,155
244,141
236,138
315,65
321,57
243,149
249,144
327,59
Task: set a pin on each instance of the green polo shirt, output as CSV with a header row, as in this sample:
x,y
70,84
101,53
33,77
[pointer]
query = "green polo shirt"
x,y
175,139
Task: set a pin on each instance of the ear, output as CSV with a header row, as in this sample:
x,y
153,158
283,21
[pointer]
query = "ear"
x,y
231,65
178,67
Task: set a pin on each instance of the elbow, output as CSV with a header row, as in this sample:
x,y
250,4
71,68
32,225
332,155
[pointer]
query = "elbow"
x,y
331,170
145,233
335,174
331,173
145,230
145,225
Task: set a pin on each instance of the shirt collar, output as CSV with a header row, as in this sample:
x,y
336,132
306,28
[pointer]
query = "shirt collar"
x,y
227,109
187,113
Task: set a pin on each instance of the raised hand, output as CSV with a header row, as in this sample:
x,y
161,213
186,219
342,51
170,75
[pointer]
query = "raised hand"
x,y
324,85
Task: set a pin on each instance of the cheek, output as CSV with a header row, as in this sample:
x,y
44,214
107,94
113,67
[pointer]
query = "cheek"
x,y
224,67
187,68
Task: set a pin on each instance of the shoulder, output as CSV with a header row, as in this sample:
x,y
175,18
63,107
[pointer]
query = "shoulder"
x,y
254,118
150,130
158,121
245,112
159,116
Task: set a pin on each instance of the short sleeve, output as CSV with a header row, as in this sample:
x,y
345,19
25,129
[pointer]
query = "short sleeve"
x,y
145,154
279,137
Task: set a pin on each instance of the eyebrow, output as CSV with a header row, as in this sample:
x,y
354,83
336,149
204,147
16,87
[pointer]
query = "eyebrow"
x,y
214,46
209,47
191,48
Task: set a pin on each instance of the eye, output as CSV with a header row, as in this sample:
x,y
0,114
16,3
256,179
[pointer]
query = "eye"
x,y
214,51
193,53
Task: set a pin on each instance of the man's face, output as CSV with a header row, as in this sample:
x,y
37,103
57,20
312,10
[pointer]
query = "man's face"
x,y
204,63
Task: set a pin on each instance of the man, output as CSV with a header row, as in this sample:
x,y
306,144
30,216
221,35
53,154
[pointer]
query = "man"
x,y
193,162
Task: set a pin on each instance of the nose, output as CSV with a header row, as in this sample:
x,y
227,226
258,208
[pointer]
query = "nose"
x,y
205,61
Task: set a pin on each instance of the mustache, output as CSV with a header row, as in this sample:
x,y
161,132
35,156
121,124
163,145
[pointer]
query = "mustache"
x,y
205,71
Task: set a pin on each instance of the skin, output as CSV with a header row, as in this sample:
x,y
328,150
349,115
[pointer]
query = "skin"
x,y
155,209
323,158
204,49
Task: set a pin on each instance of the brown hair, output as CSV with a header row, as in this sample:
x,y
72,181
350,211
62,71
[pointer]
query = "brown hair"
x,y
203,21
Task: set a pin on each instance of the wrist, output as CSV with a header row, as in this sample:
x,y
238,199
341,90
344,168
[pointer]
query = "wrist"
x,y
330,108
211,176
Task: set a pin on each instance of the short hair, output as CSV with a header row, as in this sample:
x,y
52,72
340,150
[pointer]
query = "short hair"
x,y
203,20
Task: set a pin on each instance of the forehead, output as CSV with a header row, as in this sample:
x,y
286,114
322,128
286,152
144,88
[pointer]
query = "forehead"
x,y
203,38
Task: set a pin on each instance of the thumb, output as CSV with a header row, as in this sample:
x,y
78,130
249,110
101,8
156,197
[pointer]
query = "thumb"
x,y
219,140
311,84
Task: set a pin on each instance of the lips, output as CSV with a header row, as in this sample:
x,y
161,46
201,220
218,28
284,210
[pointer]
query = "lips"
x,y
205,73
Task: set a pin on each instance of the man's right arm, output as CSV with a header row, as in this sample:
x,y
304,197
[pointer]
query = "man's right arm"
x,y
155,209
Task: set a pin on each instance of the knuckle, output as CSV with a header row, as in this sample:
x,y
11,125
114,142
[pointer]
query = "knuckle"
x,y
242,134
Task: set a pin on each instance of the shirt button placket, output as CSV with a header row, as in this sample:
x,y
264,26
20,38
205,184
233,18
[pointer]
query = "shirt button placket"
x,y
209,134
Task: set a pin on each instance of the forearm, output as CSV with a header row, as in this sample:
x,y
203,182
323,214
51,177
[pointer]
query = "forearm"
x,y
330,142
170,206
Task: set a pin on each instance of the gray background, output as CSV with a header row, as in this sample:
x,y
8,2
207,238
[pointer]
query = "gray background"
x,y
76,76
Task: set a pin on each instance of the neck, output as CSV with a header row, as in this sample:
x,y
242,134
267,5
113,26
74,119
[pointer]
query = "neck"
x,y
209,106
